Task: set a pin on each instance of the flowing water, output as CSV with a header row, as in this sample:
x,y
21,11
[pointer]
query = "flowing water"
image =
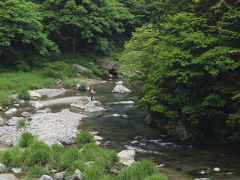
x,y
119,125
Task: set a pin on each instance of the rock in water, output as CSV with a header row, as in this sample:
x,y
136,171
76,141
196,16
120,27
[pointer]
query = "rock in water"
x,y
127,157
34,95
119,83
11,111
36,104
25,114
46,177
121,89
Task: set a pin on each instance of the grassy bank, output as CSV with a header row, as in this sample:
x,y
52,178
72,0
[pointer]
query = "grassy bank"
x,y
43,76
36,158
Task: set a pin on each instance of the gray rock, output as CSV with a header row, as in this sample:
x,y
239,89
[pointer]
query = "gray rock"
x,y
77,175
113,68
81,103
51,142
127,157
121,89
7,177
2,167
97,138
16,141
58,176
123,103
21,101
46,177
1,121
93,106
16,170
80,87
201,179
98,143
50,92
36,104
62,101
25,114
80,68
34,95
11,111
119,83
47,110
13,121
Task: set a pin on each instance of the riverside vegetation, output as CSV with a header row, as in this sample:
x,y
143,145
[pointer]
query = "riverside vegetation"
x,y
37,158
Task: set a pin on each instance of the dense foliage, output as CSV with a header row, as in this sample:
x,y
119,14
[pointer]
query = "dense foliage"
x,y
188,60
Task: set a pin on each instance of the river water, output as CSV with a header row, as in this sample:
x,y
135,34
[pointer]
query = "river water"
x,y
120,125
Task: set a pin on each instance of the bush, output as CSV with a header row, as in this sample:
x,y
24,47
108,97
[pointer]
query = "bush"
x,y
21,123
11,157
23,93
37,153
94,172
84,138
59,69
156,177
70,155
26,139
56,153
138,171
36,172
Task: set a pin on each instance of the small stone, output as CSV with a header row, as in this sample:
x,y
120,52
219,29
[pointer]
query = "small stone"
x,y
52,142
202,172
17,105
16,141
77,175
94,133
22,102
229,173
25,114
46,177
201,179
127,157
36,104
11,111
161,165
34,95
17,170
13,121
114,171
89,163
97,138
134,142
216,169
108,143
2,167
98,143
1,121
59,176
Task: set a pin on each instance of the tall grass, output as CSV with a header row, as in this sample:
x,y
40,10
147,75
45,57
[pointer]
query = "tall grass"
x,y
21,82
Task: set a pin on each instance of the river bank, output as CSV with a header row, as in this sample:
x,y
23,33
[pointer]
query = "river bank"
x,y
120,124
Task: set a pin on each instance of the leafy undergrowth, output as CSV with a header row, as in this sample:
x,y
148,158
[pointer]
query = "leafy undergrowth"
x,y
37,158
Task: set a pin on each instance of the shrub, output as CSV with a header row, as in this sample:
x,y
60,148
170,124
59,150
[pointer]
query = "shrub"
x,y
70,155
56,153
26,139
21,123
37,153
23,93
78,164
138,171
94,172
11,157
4,98
35,172
84,138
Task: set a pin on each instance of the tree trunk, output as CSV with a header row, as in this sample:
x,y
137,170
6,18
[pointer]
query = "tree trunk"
x,y
74,40
1,51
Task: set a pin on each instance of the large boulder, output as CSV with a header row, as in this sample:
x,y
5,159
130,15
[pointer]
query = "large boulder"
x,y
80,68
113,68
13,121
11,111
50,92
127,157
59,176
121,89
88,106
81,103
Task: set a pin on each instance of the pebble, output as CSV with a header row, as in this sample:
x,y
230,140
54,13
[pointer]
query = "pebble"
x,y
17,170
